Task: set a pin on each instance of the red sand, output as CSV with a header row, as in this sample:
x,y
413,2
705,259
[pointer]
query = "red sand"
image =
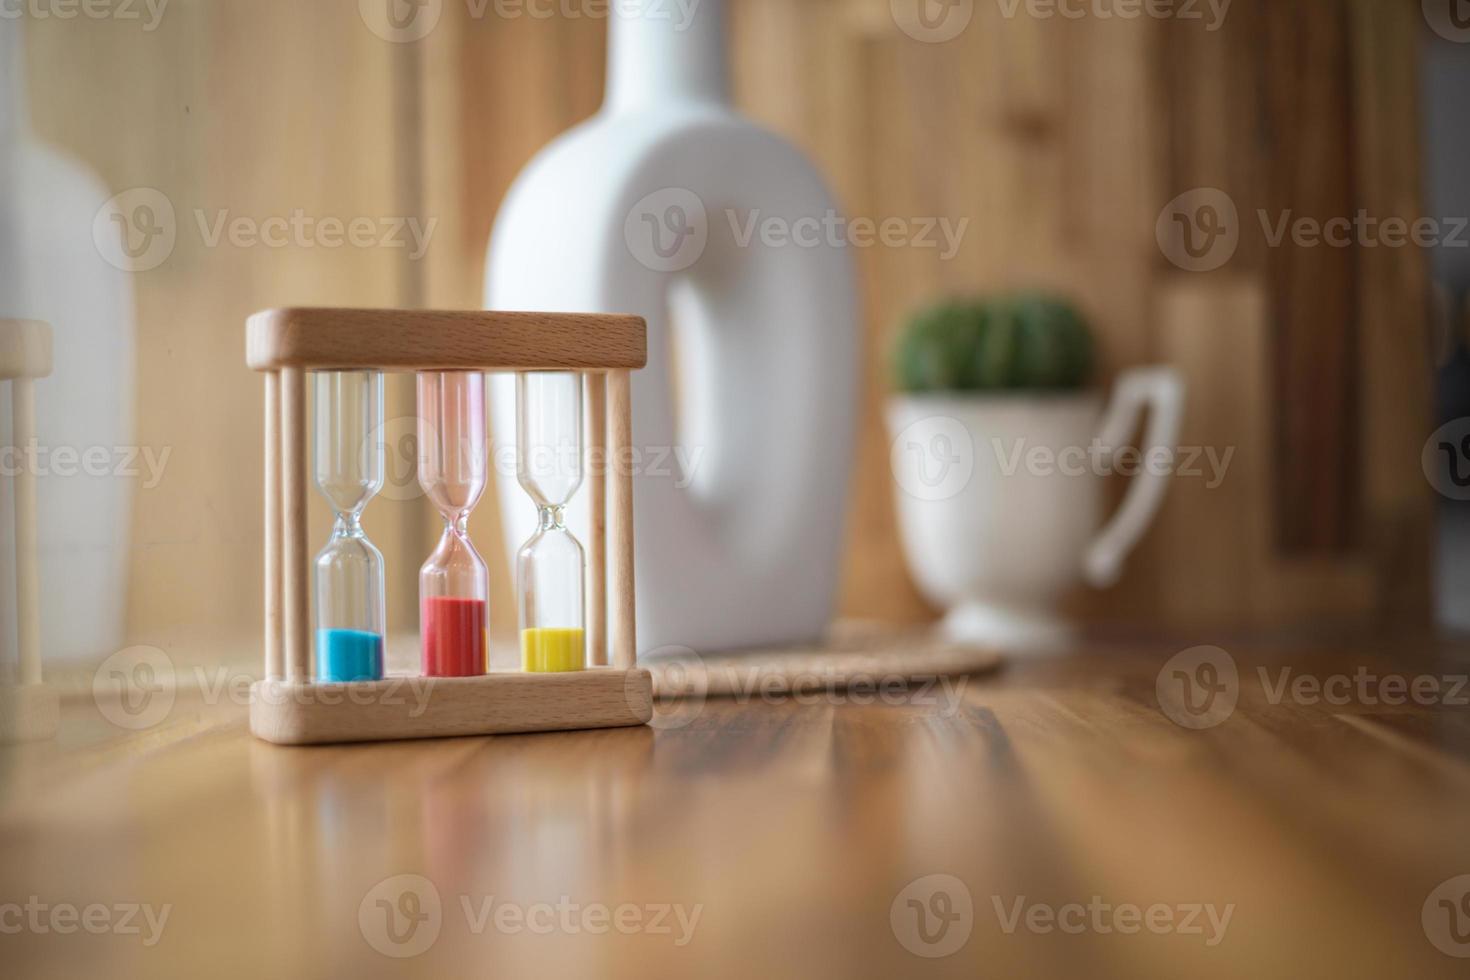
x,y
453,632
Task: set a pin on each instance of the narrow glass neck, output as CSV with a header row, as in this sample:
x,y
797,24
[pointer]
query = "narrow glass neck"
x,y
457,524
348,525
666,51
551,518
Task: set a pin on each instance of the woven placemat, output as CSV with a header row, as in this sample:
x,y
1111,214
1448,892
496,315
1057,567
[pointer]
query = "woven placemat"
x,y
851,656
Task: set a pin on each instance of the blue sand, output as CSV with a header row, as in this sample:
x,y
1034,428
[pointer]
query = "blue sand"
x,y
348,655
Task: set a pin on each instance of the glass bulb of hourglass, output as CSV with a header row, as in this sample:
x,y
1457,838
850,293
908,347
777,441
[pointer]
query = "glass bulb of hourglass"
x,y
454,584
348,572
550,564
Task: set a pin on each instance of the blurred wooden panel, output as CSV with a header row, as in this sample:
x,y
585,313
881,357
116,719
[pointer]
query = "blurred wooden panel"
x,y
1392,292
1308,111
1225,568
1261,110
237,109
1304,140
1058,141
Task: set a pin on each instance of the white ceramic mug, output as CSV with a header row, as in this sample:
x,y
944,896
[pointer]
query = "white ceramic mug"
x,y
1000,498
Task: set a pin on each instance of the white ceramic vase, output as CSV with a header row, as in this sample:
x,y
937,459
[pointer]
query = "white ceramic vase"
x,y
51,270
740,489
1000,499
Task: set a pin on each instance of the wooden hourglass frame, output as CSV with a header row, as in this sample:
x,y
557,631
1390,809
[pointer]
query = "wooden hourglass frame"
x,y
288,706
29,709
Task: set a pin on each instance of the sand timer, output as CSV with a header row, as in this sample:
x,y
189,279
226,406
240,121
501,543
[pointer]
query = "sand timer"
x,y
349,570
550,564
454,584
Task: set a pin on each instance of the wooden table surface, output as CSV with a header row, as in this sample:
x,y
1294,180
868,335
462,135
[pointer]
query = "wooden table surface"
x,y
1082,833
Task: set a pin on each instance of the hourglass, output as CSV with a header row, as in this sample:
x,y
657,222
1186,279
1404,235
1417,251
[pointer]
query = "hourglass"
x,y
550,565
553,355
350,600
454,584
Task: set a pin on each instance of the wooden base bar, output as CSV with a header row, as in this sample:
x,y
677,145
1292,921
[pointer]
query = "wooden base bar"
x,y
292,713
29,712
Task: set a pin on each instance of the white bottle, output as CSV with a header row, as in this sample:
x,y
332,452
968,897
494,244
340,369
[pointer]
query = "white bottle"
x,y
668,205
51,270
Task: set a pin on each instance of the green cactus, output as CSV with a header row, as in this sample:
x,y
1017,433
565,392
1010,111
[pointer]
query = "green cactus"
x,y
1018,342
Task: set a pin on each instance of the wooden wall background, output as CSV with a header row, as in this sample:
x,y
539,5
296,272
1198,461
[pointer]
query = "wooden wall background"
x,y
1061,140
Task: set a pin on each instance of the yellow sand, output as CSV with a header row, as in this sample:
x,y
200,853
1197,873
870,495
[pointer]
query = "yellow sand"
x,y
550,649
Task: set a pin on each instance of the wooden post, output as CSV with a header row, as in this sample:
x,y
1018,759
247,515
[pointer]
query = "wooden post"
x,y
27,572
620,447
596,396
294,586
274,648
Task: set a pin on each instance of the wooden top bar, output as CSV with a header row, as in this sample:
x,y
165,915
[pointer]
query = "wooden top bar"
x,y
444,340
25,349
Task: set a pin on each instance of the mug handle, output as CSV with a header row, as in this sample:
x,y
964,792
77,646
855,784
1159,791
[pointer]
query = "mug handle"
x,y
1162,390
